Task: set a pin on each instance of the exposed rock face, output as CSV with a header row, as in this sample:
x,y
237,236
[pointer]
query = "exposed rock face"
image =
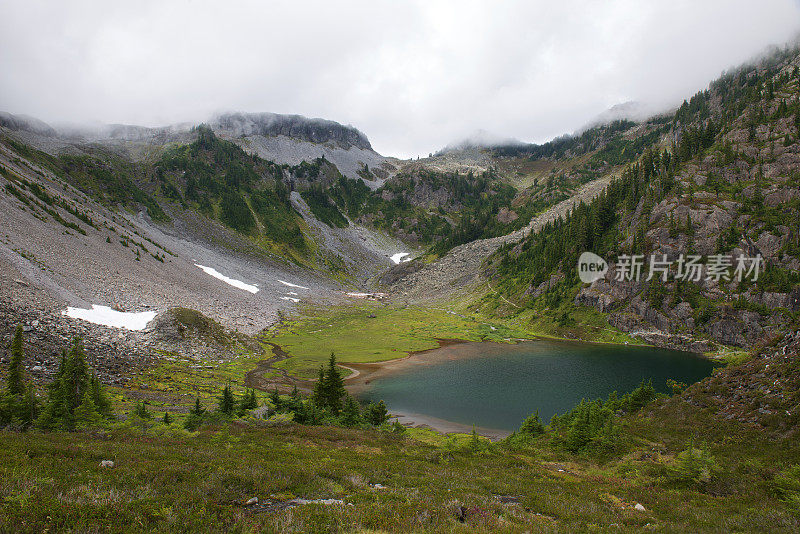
x,y
295,126
506,216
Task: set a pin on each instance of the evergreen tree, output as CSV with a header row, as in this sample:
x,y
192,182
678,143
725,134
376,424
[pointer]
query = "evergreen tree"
x,y
275,400
334,387
198,408
99,397
140,410
86,413
249,400
376,413
532,426
28,407
351,414
319,395
195,417
67,391
15,383
295,399
227,404
167,419
18,406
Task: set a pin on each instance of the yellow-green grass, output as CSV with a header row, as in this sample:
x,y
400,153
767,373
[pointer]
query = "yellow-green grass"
x,y
178,381
354,337
586,323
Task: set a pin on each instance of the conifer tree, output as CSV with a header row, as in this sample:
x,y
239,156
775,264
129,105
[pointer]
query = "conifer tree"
x,y
198,408
18,405
376,413
99,396
532,426
334,386
351,414
86,413
15,385
140,410
275,400
167,419
67,391
249,400
227,404
319,395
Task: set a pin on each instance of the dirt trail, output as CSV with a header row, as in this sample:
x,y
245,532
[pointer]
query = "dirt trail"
x,y
461,266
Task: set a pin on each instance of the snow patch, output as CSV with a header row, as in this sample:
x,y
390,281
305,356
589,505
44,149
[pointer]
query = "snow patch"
x,y
109,317
291,285
290,298
235,283
399,257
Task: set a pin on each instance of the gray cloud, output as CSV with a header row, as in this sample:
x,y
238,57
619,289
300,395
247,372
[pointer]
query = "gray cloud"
x,y
414,76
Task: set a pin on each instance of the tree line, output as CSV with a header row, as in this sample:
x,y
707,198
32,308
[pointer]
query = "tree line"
x,y
76,400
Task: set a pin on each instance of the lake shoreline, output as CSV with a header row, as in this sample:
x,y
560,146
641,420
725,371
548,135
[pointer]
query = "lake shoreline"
x,y
364,373
451,352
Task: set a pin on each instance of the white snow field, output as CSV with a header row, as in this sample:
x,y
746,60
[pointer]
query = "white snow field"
x,y
398,258
109,317
235,283
291,284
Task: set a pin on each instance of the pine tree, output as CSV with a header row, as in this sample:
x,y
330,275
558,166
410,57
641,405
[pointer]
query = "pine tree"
x,y
351,414
532,426
18,404
334,386
140,410
319,395
76,376
198,408
86,414
167,419
249,400
67,390
15,385
227,404
196,416
99,396
376,413
275,400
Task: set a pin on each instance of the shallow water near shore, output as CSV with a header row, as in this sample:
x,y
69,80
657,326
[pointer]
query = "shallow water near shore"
x,y
496,385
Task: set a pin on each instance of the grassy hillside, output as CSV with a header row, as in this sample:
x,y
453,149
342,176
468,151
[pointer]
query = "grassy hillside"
x,y
246,193
689,469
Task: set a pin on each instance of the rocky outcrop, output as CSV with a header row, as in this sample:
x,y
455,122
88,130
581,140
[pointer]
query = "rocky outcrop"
x,y
295,126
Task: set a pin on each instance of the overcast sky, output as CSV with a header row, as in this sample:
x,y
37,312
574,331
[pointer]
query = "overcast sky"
x,y
413,76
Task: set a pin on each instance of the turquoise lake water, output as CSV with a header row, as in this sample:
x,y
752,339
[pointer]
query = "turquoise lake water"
x,y
496,386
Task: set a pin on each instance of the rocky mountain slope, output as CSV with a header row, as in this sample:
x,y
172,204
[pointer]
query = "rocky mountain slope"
x,y
719,177
85,226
